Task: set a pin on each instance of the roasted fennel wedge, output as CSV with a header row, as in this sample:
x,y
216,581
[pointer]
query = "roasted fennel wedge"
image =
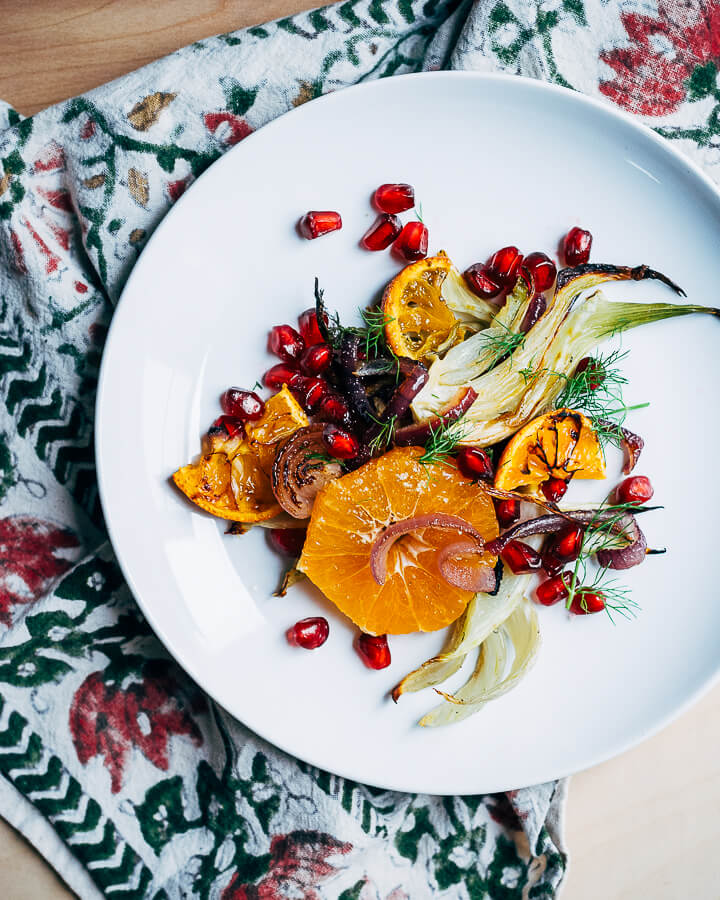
x,y
519,634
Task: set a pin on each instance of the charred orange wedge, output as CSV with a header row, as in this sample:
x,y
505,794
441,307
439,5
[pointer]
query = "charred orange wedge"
x,y
231,479
352,512
417,317
560,444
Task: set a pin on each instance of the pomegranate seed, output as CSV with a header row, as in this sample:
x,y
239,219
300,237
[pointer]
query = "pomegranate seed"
x,y
310,391
381,233
374,651
521,557
246,405
316,359
281,374
309,633
334,408
566,544
507,511
315,224
543,270
394,198
340,443
551,563
475,463
288,541
636,489
308,324
231,424
596,375
554,489
553,590
285,342
504,265
412,242
576,246
587,602
481,282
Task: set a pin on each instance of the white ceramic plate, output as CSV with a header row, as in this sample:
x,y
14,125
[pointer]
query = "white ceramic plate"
x,y
495,160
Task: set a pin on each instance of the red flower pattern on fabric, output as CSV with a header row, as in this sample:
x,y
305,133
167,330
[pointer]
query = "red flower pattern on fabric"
x,y
30,560
651,74
298,863
227,127
109,721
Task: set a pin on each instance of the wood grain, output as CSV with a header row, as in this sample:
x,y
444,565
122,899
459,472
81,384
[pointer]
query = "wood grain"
x,y
644,824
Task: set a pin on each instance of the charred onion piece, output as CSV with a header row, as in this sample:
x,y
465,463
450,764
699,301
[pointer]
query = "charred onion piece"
x,y
536,308
418,434
351,384
626,557
456,566
384,365
399,403
301,469
384,541
614,273
632,445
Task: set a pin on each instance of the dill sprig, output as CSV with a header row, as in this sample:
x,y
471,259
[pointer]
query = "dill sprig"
x,y
323,459
442,442
373,334
503,344
616,596
383,438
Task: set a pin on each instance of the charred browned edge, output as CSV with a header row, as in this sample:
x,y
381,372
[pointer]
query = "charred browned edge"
x,y
615,273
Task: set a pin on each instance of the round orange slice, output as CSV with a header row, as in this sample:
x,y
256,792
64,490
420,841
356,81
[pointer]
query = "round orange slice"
x,y
417,318
560,444
231,479
351,512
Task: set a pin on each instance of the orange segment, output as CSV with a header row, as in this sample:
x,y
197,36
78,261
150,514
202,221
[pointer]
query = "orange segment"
x,y
232,478
351,512
561,444
417,318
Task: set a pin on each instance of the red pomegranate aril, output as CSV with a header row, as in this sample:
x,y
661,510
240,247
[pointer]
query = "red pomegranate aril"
x,y
553,590
339,442
246,405
543,270
374,651
597,373
309,633
551,563
316,223
309,329
381,233
394,198
585,603
566,544
481,282
412,242
521,557
576,246
281,374
285,342
504,265
507,512
334,408
288,541
232,425
475,463
310,391
554,489
636,489
316,359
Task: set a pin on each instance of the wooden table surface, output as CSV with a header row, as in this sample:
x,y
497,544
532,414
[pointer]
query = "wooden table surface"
x,y
644,824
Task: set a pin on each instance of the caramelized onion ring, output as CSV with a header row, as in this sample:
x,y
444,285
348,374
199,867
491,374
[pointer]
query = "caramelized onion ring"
x,y
300,470
384,541
455,567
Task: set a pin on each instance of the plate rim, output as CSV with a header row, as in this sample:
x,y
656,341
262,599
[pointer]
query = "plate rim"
x,y
121,311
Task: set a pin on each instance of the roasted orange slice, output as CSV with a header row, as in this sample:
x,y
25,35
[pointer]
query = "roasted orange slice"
x,y
560,444
231,479
418,319
351,512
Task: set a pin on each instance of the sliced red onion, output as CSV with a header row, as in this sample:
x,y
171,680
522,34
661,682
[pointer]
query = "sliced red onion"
x,y
536,308
418,434
385,540
626,557
460,571
632,444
